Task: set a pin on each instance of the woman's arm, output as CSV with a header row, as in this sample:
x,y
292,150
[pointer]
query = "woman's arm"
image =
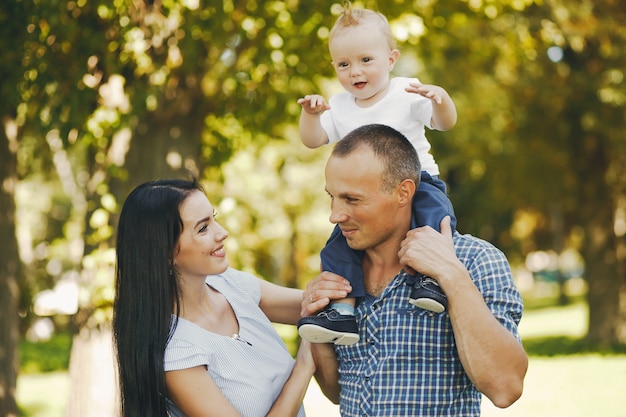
x,y
196,394
290,399
280,304
283,305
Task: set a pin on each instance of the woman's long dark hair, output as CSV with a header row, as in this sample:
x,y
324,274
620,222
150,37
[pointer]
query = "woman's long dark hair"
x,y
147,292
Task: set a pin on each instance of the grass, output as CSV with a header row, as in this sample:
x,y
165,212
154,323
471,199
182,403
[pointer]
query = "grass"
x,y
43,394
42,386
565,377
589,385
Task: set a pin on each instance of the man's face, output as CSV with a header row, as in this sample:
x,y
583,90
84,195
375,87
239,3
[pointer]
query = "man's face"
x,y
365,212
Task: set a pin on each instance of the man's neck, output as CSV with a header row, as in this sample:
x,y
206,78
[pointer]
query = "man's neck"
x,y
379,268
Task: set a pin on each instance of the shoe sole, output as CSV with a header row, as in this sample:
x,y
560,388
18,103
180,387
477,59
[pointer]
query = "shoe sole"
x,y
428,304
317,334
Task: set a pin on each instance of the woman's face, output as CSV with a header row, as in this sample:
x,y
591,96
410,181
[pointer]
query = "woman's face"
x,y
200,249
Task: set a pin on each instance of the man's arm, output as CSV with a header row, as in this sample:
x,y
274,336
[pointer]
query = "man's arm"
x,y
326,370
492,357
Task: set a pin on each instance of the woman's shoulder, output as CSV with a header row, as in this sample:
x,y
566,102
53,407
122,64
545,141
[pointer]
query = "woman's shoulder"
x,y
187,346
241,282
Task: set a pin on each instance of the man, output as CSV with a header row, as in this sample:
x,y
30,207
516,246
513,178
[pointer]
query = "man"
x,y
410,361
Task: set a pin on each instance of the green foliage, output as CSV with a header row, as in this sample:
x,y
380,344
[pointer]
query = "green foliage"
x,y
109,94
46,356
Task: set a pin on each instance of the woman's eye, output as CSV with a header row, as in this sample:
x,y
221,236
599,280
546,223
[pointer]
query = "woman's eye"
x,y
203,229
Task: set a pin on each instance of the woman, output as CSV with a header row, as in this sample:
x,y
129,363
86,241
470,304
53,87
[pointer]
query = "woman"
x,y
193,337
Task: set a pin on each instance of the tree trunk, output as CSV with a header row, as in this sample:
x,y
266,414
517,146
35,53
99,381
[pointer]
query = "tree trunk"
x,y
604,273
9,275
93,378
93,387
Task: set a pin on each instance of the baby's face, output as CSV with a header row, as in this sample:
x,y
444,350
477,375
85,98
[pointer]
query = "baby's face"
x,y
363,60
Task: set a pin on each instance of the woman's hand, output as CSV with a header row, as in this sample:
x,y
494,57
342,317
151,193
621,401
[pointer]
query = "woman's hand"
x,y
321,289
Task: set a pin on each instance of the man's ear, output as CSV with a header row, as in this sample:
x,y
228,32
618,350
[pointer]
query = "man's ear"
x,y
406,191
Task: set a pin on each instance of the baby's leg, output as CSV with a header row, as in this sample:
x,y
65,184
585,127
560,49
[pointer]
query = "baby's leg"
x,y
430,205
336,323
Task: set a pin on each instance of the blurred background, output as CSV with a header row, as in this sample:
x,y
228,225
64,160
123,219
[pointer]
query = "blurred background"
x,y
98,96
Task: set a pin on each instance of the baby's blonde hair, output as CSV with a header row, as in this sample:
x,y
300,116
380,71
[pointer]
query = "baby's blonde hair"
x,y
355,17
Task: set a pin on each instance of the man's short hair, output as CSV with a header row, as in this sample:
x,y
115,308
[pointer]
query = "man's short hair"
x,y
391,147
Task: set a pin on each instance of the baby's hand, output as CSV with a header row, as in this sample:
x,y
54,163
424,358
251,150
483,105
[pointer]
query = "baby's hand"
x,y
313,104
433,92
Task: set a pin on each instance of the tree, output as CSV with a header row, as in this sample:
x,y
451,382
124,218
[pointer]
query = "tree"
x,y
567,152
131,92
587,60
12,18
9,277
541,132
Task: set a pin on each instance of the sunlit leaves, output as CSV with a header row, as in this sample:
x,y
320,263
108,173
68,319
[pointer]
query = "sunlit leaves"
x,y
195,83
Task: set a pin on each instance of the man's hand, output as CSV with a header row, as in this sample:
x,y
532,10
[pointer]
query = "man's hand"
x,y
313,104
427,251
320,290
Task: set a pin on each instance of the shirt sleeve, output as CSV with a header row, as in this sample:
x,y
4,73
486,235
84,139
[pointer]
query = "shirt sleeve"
x,y
182,354
247,285
328,124
493,277
421,107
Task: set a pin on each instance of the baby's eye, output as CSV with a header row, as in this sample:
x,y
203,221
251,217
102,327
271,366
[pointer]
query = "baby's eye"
x,y
367,59
342,64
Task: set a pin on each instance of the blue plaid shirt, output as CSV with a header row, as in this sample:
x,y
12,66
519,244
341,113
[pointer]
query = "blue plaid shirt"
x,y
406,361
